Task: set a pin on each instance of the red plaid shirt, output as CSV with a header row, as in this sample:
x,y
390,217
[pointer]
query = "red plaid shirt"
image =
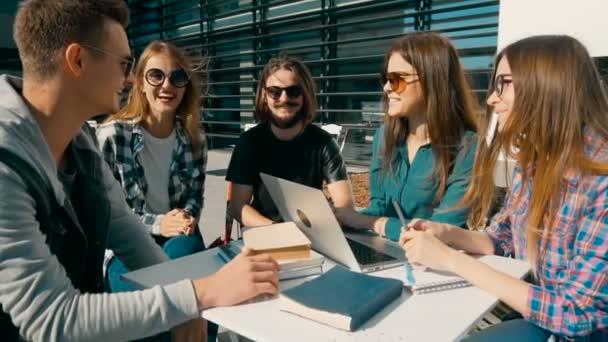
x,y
570,296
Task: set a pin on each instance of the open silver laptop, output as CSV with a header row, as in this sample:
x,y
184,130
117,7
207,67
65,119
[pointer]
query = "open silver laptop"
x,y
309,209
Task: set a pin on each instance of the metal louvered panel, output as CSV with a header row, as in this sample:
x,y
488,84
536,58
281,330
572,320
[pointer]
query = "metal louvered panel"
x,y
342,41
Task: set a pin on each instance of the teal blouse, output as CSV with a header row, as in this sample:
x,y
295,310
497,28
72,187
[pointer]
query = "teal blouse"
x,y
414,187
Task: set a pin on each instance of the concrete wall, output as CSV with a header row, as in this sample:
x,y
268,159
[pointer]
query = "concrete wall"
x,y
584,20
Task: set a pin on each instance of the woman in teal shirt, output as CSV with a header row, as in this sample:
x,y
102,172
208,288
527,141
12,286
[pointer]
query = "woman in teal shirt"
x,y
423,154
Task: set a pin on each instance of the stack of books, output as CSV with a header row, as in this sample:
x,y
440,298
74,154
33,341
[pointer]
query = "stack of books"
x,y
297,268
285,243
282,241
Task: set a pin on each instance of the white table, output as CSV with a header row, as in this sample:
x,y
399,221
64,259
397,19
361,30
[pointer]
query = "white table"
x,y
438,316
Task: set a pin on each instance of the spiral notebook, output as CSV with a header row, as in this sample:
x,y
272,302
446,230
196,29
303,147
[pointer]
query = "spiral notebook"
x,y
421,281
427,281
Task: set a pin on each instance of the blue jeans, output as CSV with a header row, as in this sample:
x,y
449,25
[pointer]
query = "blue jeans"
x,y
518,330
174,247
521,330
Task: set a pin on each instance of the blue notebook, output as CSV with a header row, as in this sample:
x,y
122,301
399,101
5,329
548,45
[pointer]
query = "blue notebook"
x,y
341,298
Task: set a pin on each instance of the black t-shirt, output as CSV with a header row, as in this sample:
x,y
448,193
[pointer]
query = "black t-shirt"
x,y
309,158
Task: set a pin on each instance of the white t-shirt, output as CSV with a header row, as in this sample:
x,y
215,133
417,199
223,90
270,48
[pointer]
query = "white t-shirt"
x,y
155,158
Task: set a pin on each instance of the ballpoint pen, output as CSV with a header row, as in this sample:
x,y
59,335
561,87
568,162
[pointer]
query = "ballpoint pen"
x,y
409,270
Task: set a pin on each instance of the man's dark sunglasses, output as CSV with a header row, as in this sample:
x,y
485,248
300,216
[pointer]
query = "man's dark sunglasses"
x,y
127,63
275,92
178,78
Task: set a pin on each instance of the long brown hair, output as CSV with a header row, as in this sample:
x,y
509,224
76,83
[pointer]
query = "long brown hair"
x,y
450,107
558,93
138,107
309,108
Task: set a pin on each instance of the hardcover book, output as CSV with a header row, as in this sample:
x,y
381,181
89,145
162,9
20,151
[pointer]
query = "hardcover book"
x,y
281,241
341,298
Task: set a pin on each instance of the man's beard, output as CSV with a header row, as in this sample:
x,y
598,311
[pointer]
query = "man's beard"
x,y
285,123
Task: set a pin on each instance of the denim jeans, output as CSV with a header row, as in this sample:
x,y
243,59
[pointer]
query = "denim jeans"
x,y
521,330
515,330
174,247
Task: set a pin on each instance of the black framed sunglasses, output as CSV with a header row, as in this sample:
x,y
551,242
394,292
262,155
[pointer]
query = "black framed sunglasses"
x,y
500,83
275,92
397,80
178,78
127,63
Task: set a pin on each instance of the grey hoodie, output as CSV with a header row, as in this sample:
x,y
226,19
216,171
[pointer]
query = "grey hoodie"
x,y
34,288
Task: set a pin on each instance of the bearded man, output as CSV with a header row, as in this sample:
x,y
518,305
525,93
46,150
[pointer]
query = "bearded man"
x,y
284,144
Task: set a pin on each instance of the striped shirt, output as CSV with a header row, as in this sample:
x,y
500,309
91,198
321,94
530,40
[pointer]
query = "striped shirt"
x,y
569,296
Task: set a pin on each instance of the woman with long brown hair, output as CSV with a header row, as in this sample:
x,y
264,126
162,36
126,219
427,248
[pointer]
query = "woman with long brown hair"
x,y
157,151
423,154
553,120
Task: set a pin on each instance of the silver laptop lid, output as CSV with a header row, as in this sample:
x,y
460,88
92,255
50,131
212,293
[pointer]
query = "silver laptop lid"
x,y
308,208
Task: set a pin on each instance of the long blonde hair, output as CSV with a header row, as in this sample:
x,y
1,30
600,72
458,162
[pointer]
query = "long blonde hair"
x,y
558,93
138,108
450,107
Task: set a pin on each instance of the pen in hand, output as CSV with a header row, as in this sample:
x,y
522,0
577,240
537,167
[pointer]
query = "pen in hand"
x,y
409,270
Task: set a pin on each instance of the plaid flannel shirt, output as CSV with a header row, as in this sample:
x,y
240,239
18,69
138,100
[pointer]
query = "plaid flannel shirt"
x,y
570,295
121,141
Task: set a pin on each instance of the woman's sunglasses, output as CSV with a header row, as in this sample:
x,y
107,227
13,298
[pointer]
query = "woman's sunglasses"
x,y
275,92
397,80
178,78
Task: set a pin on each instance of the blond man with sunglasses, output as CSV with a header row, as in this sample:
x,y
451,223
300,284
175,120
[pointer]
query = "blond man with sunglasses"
x,y
62,206
423,155
284,144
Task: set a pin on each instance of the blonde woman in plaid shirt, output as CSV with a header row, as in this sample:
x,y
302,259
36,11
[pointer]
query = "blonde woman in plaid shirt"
x,y
551,106
157,151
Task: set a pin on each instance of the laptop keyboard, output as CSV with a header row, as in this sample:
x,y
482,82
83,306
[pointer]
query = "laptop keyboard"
x,y
366,255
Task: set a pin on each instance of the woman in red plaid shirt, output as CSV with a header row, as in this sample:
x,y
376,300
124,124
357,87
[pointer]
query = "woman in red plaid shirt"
x,y
552,108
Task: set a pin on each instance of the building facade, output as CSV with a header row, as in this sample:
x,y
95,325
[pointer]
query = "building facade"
x,y
343,42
